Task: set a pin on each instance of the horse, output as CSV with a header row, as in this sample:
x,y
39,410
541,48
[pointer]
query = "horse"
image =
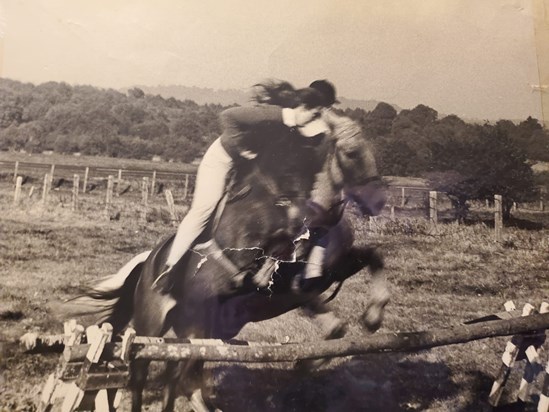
x,y
260,221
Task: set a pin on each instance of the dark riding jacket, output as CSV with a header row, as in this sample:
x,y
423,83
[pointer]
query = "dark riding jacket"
x,y
246,130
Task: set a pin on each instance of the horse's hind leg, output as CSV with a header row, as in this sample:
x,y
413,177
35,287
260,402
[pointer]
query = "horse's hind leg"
x,y
194,385
138,379
173,375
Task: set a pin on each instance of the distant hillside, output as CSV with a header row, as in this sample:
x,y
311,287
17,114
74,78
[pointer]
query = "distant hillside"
x,y
228,97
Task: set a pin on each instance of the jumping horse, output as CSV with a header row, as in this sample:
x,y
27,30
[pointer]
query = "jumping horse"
x,y
267,216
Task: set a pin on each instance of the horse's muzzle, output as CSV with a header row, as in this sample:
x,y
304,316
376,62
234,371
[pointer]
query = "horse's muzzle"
x,y
370,198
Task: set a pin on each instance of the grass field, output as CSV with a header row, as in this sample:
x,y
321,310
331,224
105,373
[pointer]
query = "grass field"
x,y
438,278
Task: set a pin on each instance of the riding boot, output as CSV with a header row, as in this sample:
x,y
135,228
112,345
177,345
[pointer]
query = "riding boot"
x,y
264,276
312,277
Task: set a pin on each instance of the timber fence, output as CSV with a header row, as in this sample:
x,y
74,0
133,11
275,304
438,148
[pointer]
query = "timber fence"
x,y
93,366
142,195
161,192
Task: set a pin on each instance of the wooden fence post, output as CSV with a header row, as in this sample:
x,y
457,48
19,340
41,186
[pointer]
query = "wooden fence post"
x,y
85,183
153,183
118,182
45,189
433,211
403,197
508,359
541,196
52,171
186,191
144,199
171,206
373,223
17,194
108,199
31,191
534,363
392,213
75,187
498,216
16,170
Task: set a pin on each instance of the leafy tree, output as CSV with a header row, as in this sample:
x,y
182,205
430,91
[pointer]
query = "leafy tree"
x,y
486,164
136,93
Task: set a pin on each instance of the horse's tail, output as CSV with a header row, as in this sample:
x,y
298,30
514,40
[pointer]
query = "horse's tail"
x,y
111,299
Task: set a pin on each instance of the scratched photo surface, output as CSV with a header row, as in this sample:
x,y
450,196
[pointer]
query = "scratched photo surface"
x,y
274,206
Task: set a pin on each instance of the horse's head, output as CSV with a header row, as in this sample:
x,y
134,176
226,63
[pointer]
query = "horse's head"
x,y
354,168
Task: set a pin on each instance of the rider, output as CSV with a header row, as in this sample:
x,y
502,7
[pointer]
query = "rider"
x,y
321,197
244,130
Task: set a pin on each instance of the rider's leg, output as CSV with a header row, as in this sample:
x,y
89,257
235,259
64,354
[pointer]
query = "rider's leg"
x,y
311,277
209,188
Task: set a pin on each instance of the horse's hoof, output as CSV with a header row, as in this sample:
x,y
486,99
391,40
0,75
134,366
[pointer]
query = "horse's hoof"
x,y
338,331
373,315
305,367
197,402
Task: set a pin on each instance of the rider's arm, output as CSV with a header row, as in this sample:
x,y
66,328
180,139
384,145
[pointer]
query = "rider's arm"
x,y
239,123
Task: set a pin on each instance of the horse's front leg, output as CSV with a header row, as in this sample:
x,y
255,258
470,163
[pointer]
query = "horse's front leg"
x,y
379,293
331,326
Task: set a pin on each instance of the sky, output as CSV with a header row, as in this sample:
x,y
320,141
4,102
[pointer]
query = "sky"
x,y
476,59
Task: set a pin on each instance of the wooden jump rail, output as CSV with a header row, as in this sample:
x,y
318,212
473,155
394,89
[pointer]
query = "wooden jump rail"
x,y
100,367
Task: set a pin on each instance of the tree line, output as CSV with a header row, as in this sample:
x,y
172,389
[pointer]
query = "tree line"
x,y
468,161
67,119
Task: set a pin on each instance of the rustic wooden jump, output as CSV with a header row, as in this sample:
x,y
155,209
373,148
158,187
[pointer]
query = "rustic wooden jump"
x,y
166,349
97,369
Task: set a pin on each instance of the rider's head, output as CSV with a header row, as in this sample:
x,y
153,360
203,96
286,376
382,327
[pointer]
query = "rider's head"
x,y
327,90
310,103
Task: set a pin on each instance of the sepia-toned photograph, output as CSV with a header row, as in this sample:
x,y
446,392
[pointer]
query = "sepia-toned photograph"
x,y
308,205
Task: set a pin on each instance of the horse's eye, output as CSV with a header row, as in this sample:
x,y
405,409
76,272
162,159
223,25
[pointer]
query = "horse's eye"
x,y
352,154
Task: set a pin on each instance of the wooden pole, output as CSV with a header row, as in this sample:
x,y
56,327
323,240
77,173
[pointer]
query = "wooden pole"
x,y
17,194
108,199
118,182
171,206
153,183
16,170
403,197
498,216
52,171
45,189
144,199
186,190
85,182
75,187
533,366
433,210
372,223
31,192
392,213
215,351
508,358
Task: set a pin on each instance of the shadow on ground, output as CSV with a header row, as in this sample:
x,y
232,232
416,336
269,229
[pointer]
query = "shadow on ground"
x,y
388,383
